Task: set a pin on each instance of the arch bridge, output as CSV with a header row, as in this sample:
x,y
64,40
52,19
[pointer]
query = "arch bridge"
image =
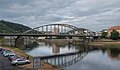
x,y
62,31
56,29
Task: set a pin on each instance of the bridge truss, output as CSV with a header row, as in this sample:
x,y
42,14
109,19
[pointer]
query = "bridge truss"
x,y
56,29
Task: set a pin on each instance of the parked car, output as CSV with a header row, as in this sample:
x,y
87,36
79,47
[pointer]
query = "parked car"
x,y
6,53
2,50
13,57
20,61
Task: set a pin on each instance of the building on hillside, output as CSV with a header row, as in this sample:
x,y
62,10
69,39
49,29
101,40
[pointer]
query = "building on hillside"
x,y
117,28
79,31
88,32
99,33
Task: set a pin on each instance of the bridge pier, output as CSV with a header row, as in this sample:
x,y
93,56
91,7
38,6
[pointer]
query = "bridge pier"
x,y
22,41
19,41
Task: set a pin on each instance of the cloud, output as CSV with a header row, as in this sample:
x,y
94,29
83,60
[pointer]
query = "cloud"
x,y
91,14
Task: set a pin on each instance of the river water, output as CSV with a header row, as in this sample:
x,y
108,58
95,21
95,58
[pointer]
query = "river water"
x,y
98,59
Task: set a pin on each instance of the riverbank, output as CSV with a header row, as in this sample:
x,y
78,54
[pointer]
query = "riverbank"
x,y
108,43
20,52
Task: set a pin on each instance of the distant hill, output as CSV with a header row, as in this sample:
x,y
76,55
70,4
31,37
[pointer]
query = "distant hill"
x,y
10,27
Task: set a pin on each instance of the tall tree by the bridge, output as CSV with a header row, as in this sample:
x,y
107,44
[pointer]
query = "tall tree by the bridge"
x,y
104,35
114,35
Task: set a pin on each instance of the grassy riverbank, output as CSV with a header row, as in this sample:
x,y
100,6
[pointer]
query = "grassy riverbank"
x,y
106,43
20,52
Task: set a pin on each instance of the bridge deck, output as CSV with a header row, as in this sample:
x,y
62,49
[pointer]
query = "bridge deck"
x,y
42,35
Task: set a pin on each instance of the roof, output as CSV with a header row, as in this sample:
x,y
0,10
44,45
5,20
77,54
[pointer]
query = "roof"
x,y
115,28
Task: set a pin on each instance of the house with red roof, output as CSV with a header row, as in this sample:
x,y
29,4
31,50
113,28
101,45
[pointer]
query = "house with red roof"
x,y
117,28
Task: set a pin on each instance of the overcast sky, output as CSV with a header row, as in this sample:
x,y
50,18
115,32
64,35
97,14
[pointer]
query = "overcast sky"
x,y
90,14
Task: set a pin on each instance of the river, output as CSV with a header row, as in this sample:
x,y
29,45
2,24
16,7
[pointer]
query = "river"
x,y
98,59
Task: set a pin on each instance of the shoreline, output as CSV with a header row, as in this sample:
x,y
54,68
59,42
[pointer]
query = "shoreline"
x,y
105,44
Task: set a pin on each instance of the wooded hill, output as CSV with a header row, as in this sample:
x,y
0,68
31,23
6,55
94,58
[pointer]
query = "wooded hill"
x,y
11,27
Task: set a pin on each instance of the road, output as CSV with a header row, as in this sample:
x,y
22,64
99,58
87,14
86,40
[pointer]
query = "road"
x,y
5,64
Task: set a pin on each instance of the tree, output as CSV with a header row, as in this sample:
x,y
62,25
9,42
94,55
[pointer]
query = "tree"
x,y
104,35
114,35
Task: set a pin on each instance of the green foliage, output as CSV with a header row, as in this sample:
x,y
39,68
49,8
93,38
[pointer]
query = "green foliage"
x,y
10,27
32,45
114,35
104,35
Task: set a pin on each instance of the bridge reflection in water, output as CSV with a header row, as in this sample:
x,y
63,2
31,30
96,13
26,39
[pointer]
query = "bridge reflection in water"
x,y
64,60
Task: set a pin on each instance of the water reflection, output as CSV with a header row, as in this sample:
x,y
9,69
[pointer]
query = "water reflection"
x,y
96,59
114,53
55,49
49,49
31,46
99,59
64,60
